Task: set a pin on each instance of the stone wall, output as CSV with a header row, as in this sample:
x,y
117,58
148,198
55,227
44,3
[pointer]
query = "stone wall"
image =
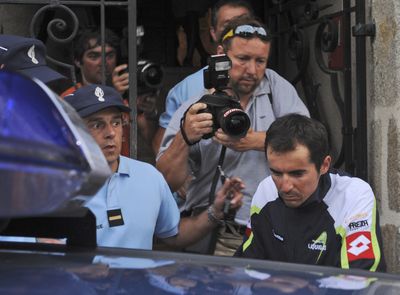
x,y
15,19
384,122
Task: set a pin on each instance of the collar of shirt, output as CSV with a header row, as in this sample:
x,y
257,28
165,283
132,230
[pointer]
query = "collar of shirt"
x,y
112,192
123,167
323,186
263,89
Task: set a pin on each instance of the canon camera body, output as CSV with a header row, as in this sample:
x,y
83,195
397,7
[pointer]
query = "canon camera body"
x,y
226,111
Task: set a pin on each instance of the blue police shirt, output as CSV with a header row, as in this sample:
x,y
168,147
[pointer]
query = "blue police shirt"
x,y
146,204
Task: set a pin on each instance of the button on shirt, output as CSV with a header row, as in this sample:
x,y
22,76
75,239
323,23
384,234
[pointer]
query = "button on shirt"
x,y
146,204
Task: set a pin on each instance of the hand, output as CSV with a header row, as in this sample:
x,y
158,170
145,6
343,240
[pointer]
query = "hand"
x,y
231,189
120,79
252,141
197,124
146,103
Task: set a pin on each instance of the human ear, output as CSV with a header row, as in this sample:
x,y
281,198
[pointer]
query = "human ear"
x,y
326,164
220,49
213,35
77,63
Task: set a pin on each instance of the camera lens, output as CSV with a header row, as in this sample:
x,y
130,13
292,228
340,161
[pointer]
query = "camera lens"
x,y
151,75
235,122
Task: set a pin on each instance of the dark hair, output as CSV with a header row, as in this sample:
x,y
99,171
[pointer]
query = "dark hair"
x,y
240,21
286,132
233,3
81,43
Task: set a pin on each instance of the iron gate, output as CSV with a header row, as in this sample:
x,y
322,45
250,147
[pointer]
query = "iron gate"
x,y
56,26
288,21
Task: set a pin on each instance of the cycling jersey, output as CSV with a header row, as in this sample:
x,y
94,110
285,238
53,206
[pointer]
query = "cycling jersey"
x,y
338,225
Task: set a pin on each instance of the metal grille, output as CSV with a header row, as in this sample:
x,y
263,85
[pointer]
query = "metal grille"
x,y
292,23
57,25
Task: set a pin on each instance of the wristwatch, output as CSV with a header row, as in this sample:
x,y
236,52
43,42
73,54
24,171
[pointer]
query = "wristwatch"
x,y
212,218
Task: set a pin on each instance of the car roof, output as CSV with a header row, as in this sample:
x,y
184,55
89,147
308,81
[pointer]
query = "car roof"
x,y
56,269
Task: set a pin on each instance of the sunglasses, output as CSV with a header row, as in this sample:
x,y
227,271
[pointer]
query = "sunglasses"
x,y
246,31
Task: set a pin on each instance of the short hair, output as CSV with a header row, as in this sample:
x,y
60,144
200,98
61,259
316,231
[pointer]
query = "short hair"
x,y
240,21
286,132
81,43
233,3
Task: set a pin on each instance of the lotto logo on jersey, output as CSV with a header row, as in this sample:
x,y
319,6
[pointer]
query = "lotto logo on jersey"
x,y
359,246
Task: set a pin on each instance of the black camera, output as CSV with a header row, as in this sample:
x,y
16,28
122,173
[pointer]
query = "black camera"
x,y
226,111
149,75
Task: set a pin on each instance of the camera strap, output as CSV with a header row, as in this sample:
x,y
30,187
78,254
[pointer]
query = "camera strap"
x,y
214,234
217,174
270,93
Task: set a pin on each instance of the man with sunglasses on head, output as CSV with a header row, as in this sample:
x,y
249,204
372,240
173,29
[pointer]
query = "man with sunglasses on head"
x,y
222,12
263,95
192,86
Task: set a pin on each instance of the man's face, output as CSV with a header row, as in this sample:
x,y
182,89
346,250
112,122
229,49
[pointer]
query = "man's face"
x,y
90,65
106,128
249,60
295,177
225,14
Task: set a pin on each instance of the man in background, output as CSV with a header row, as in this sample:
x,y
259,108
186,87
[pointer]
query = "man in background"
x,y
87,57
193,85
87,54
263,95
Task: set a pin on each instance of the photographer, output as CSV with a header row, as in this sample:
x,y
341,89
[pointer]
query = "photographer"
x,y
87,59
222,12
149,81
263,94
87,51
